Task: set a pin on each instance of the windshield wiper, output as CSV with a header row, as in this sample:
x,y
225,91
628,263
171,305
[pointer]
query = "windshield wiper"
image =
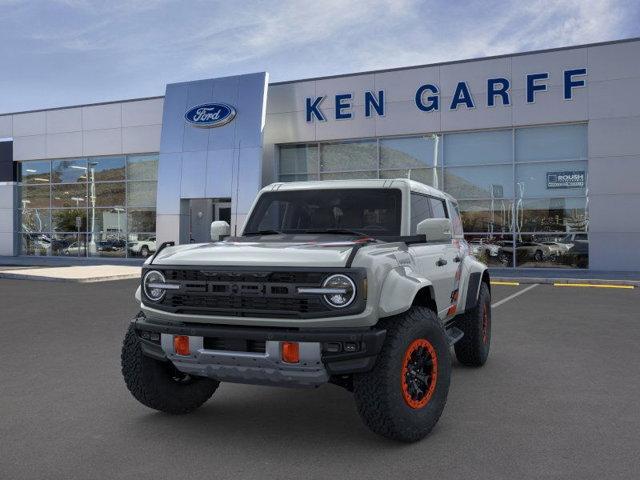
x,y
261,232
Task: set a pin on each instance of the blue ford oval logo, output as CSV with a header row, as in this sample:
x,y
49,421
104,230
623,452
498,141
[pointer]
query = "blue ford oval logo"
x,y
210,115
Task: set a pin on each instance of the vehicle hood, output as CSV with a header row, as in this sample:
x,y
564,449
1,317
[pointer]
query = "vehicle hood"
x,y
258,254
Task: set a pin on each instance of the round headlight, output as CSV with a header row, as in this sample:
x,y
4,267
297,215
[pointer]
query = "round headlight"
x,y
154,294
344,291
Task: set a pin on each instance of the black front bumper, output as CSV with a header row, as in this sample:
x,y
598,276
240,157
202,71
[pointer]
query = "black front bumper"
x,y
368,341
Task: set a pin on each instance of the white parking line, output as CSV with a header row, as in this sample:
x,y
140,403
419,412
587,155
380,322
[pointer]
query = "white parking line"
x,y
511,297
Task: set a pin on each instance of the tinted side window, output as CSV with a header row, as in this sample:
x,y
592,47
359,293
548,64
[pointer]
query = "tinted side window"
x,y
419,210
438,209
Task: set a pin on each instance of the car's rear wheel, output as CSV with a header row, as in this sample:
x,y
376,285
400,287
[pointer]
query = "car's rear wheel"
x,y
404,395
159,385
473,348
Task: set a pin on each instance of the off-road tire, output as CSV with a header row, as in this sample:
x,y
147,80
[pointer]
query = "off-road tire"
x,y
379,395
152,382
473,348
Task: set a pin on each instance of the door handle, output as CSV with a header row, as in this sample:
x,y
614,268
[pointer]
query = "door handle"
x,y
441,262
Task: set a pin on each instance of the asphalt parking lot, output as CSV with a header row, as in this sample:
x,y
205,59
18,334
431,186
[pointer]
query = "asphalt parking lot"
x,y
558,398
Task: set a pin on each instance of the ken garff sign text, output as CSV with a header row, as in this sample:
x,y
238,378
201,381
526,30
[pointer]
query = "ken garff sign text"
x,y
210,115
427,96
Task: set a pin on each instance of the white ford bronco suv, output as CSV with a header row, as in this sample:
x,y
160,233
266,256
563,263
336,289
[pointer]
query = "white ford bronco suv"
x,y
365,284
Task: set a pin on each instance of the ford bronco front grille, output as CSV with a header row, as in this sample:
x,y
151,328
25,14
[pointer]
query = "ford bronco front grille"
x,y
252,293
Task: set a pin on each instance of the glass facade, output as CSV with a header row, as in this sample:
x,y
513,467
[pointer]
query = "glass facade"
x,y
94,206
522,192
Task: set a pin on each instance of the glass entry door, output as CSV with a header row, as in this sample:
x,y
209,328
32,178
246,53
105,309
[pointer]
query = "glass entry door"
x,y
222,211
203,211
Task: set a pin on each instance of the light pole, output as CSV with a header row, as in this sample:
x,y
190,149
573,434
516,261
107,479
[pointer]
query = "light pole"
x,y
91,170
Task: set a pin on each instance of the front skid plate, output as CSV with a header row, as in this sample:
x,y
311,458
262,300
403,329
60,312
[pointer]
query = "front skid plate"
x,y
248,367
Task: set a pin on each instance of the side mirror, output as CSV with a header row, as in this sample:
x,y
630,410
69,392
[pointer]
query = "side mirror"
x,y
436,229
219,229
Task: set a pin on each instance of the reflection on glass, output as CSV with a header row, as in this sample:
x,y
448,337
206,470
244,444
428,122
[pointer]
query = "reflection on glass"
x,y
298,178
478,148
35,196
141,244
479,182
69,171
109,223
428,176
298,159
142,167
566,179
69,245
102,245
69,195
349,156
552,215
142,220
66,220
492,250
35,172
107,168
409,153
37,244
558,142
110,194
486,215
348,175
553,250
35,220
141,194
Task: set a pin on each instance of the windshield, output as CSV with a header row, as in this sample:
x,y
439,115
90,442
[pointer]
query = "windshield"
x,y
375,212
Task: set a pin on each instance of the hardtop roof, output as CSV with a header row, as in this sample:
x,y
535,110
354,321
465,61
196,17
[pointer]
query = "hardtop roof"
x,y
400,183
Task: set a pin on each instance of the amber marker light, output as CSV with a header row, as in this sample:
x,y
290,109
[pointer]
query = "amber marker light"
x,y
181,345
290,352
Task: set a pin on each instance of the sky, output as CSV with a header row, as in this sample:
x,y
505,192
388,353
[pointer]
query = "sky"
x,y
69,52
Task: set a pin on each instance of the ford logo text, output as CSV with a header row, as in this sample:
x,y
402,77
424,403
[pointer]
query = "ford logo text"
x,y
210,115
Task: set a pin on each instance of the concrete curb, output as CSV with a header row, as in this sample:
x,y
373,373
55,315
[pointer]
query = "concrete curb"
x,y
551,281
19,276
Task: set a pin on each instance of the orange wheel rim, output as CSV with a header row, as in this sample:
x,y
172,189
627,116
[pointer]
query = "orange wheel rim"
x,y
419,373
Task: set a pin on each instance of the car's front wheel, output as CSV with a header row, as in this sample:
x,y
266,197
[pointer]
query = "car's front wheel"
x,y
473,348
404,395
159,385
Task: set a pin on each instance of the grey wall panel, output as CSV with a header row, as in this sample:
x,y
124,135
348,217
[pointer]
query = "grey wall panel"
x,y
169,180
175,104
220,168
614,175
32,123
614,251
249,178
614,61
614,136
6,126
194,174
613,98
8,201
614,213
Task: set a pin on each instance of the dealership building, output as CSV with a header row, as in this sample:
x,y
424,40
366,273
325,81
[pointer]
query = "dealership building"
x,y
541,149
